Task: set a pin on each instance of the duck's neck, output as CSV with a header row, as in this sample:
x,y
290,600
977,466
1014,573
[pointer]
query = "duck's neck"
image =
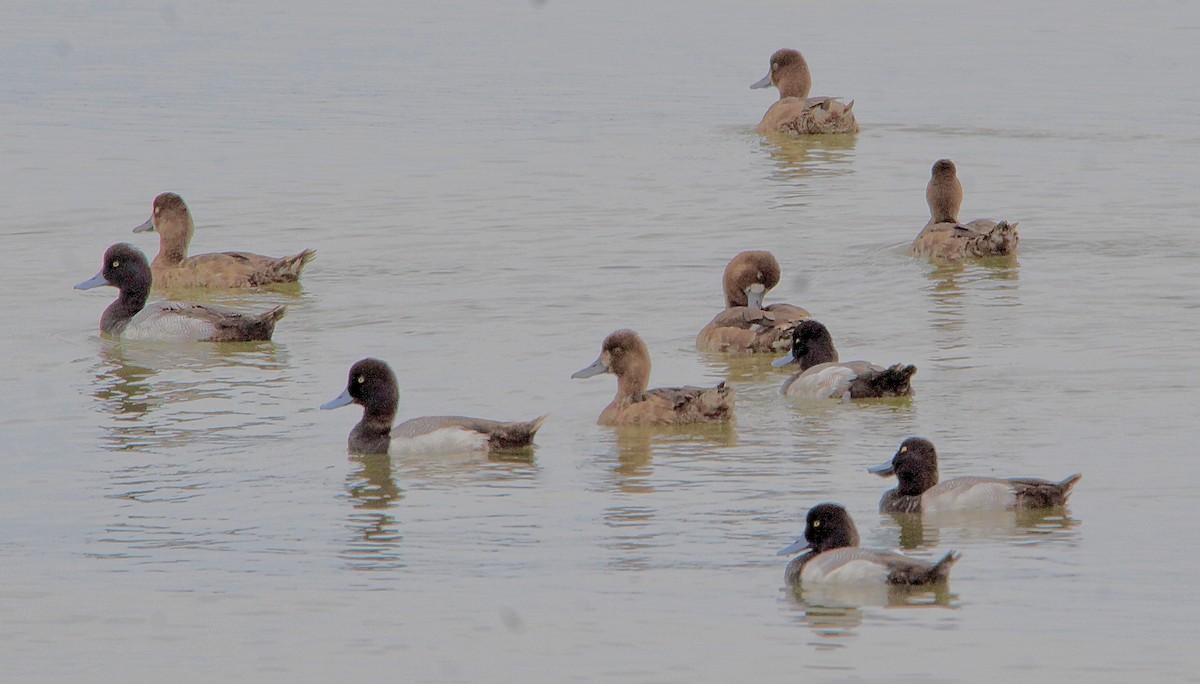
x,y
916,484
632,383
373,433
796,83
174,237
126,306
944,196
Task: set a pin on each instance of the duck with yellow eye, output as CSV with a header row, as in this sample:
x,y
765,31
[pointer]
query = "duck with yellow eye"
x,y
833,556
131,318
915,465
372,385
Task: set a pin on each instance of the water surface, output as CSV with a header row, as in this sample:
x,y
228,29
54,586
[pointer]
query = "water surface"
x,y
492,188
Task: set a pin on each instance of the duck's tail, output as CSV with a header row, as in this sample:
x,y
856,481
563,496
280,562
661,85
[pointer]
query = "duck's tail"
x,y
1034,493
717,403
894,381
262,326
516,434
287,269
827,115
999,241
941,570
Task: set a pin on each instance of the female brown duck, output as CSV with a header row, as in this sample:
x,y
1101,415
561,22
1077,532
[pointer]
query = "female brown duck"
x,y
943,237
746,325
173,268
625,355
796,112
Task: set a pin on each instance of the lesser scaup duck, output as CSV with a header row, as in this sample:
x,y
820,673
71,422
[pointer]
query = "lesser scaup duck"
x,y
795,111
130,318
944,237
170,218
372,385
918,490
833,557
625,355
746,325
822,376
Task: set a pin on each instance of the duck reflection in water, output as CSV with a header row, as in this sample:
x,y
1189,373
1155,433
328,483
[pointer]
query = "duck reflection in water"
x,y
636,447
995,278
1039,525
375,544
799,158
139,386
836,612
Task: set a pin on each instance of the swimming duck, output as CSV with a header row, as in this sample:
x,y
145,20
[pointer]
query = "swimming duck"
x,y
834,557
746,325
625,355
822,376
372,385
943,237
130,318
170,218
918,490
796,112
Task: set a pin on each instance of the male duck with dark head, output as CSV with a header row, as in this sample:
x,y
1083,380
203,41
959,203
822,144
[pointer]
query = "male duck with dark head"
x,y
795,112
372,385
625,355
173,268
915,466
943,237
822,376
130,318
833,556
746,326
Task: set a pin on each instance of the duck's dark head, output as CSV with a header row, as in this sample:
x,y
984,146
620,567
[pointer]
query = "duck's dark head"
x,y
372,385
125,268
829,526
914,465
811,344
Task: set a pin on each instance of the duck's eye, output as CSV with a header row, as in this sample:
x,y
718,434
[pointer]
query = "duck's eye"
x,y
360,379
903,449
816,523
116,264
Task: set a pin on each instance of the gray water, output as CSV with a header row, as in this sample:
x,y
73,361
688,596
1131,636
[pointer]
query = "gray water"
x,y
492,188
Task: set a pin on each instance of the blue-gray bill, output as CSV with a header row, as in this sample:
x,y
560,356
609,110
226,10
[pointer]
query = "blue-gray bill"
x,y
341,400
783,360
795,547
147,227
95,281
764,83
884,470
596,368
